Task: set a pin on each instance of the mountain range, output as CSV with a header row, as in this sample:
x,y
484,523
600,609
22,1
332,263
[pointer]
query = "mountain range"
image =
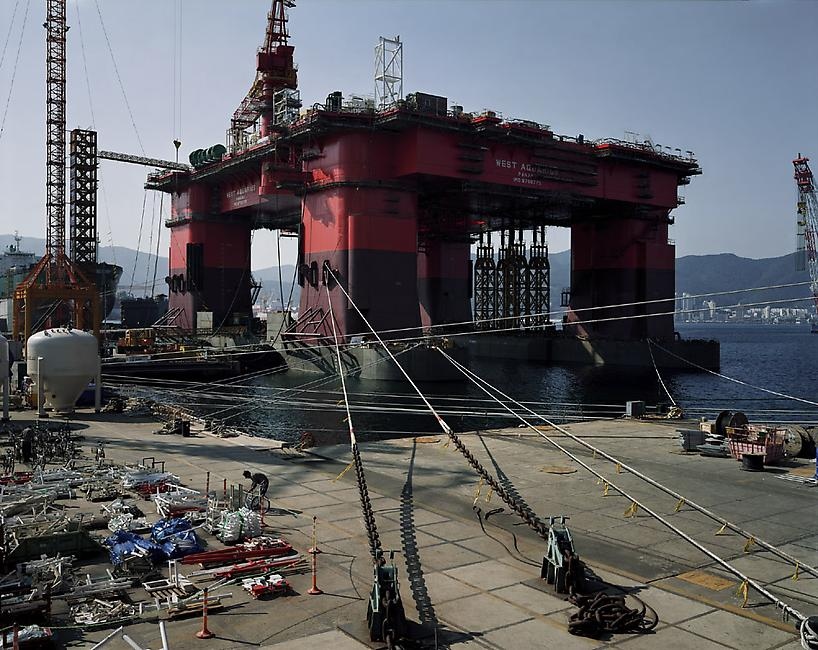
x,y
695,274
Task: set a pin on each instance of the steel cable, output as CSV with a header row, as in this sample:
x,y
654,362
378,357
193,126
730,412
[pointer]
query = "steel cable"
x,y
363,491
736,381
14,70
480,382
525,514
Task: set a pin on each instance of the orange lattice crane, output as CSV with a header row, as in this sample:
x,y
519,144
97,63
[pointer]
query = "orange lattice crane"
x,y
55,280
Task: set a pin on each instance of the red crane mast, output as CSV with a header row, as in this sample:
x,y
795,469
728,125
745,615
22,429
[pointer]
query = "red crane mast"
x,y
807,226
275,71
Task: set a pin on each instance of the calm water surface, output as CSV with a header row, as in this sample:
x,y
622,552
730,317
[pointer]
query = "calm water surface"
x,y
782,358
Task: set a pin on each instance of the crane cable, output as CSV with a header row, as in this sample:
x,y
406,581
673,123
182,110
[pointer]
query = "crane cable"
x,y
482,383
85,65
139,241
14,70
623,465
8,35
158,241
659,375
150,240
360,477
524,512
736,381
119,78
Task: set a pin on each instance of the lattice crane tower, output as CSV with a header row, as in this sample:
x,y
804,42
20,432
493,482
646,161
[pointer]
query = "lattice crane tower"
x,y
54,278
807,226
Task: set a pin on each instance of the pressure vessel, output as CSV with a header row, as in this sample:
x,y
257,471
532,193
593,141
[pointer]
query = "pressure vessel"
x,y
68,360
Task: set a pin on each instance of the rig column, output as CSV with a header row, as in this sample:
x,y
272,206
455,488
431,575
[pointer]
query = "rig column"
x,y
365,228
444,282
616,261
209,263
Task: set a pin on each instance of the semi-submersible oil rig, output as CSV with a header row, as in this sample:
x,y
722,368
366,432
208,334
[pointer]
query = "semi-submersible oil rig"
x,y
387,198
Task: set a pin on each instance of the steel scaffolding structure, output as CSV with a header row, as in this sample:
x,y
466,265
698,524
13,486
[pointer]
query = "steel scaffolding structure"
x,y
55,131
83,199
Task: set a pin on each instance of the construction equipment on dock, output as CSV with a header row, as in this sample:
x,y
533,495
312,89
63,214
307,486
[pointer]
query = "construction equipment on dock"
x,y
561,565
384,612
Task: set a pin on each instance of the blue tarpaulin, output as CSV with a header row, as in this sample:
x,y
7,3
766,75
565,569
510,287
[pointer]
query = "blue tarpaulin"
x,y
170,539
123,544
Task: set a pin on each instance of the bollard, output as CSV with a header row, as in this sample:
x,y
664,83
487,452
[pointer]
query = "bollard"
x,y
204,633
207,486
224,492
314,548
314,590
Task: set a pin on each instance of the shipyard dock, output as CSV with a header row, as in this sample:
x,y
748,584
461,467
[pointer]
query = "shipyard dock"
x,y
475,583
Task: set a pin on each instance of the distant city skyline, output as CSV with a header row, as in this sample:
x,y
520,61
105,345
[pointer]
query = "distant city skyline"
x,y
725,80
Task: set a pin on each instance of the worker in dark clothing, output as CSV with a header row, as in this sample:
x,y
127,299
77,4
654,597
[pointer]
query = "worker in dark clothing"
x,y
260,481
26,448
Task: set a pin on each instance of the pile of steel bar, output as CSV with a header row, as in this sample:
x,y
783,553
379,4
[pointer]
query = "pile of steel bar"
x,y
261,547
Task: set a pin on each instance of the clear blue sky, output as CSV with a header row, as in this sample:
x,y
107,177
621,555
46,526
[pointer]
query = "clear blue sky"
x,y
736,82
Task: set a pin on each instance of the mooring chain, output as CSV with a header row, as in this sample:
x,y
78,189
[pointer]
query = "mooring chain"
x,y
533,522
366,508
603,613
523,511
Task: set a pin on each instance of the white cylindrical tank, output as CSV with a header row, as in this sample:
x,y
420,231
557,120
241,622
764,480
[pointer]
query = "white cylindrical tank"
x,y
68,360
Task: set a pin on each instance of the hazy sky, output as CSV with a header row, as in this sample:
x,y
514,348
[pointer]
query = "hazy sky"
x,y
736,82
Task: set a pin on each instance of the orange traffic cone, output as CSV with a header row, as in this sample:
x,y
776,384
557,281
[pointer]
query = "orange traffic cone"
x,y
204,633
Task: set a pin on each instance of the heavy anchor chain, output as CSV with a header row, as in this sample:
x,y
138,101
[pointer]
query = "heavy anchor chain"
x,y
561,565
531,520
385,616
603,613
366,509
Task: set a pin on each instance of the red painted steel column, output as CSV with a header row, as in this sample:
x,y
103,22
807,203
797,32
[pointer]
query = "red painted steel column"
x,y
209,263
444,283
616,261
365,228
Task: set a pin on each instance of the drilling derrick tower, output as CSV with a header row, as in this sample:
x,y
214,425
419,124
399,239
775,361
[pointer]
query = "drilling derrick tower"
x,y
807,227
55,279
230,190
276,74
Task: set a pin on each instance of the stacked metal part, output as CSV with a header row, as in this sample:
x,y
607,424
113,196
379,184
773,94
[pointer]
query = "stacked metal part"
x,y
514,291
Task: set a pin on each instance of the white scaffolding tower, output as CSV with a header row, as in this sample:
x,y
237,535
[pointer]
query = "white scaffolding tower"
x,y
388,72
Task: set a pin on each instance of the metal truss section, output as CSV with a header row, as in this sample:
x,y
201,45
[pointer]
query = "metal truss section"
x,y
55,128
286,105
388,72
485,287
504,279
539,269
83,198
519,299
142,160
